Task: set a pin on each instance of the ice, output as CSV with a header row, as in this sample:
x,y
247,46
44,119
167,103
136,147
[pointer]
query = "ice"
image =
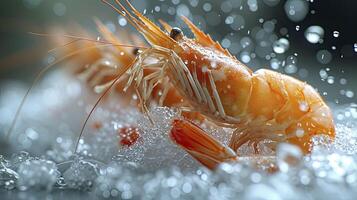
x,y
288,157
329,172
81,174
62,149
18,158
117,180
8,177
39,174
173,184
155,139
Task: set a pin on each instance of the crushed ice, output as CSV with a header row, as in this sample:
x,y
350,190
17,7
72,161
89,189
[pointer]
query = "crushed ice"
x,y
155,168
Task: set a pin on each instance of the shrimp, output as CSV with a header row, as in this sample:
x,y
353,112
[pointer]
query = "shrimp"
x,y
260,105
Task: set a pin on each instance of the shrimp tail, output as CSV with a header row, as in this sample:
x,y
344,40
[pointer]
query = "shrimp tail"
x,y
200,145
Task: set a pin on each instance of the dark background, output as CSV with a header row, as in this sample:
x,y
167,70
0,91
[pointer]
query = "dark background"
x,y
22,54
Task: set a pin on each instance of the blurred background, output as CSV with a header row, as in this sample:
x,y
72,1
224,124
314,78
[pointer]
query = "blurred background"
x,y
313,40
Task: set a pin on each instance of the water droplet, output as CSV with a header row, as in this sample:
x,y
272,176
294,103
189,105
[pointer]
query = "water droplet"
x,y
290,69
226,43
207,7
122,21
336,34
349,94
330,80
314,34
245,57
324,56
303,106
229,20
274,63
253,5
157,8
343,81
281,46
323,74
300,133
296,10
269,26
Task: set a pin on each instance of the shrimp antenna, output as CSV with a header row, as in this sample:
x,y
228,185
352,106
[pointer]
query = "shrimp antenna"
x,y
123,13
41,73
64,45
123,70
37,78
79,38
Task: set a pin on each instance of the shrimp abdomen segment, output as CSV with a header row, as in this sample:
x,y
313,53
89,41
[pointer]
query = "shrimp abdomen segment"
x,y
267,97
317,122
234,88
289,106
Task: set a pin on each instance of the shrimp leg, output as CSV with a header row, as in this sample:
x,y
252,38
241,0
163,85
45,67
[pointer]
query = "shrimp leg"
x,y
200,145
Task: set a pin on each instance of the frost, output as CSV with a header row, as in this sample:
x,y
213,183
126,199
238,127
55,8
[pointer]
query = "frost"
x,y
81,174
155,168
40,174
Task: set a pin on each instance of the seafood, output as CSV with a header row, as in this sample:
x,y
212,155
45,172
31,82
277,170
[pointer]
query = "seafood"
x,y
261,105
203,79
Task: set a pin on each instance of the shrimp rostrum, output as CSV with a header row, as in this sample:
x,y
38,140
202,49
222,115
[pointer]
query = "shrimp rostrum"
x,y
260,105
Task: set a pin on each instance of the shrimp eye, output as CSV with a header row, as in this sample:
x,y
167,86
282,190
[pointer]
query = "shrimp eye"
x,y
136,51
176,33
